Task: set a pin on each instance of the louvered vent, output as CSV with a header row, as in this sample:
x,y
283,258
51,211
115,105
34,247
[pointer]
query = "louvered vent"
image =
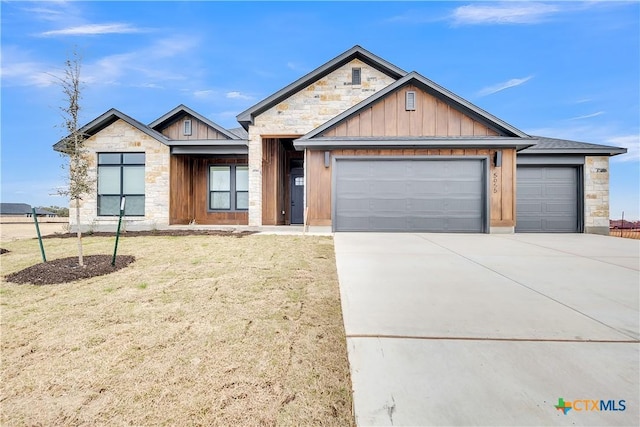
x,y
410,101
356,76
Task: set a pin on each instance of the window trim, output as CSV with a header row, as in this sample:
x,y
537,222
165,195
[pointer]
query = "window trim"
x,y
121,165
233,192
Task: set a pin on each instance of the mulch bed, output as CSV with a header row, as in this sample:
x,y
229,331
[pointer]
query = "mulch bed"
x,y
66,270
229,233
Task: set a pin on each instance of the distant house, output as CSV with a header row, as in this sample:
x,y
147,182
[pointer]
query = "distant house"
x,y
22,209
624,224
358,144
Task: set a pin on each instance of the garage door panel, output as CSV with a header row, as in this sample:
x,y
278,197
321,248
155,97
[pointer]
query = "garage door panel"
x,y
562,174
410,195
547,199
560,190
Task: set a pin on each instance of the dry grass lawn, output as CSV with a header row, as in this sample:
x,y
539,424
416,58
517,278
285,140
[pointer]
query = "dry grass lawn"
x,y
199,330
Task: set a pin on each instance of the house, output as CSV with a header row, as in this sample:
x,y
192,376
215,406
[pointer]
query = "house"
x,y
358,144
22,209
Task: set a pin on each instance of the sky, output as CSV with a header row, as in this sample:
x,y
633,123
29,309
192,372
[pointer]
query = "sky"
x,y
558,69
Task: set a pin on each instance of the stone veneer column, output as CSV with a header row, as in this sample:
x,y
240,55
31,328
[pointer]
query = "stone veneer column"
x,y
596,195
255,177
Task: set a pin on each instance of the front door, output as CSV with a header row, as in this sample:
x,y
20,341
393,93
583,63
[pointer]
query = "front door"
x,y
297,196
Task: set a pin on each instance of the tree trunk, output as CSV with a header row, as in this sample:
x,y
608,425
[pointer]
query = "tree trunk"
x,y
79,233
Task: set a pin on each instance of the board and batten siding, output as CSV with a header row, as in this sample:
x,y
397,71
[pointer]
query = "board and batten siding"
x,y
199,130
501,180
190,192
388,117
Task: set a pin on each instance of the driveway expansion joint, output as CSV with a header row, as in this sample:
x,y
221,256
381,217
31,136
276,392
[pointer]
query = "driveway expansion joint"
x,y
450,338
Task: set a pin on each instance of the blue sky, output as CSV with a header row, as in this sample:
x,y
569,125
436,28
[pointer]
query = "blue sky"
x,y
559,69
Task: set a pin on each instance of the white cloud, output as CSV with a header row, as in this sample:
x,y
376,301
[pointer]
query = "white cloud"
x,y
204,93
237,95
28,73
150,65
503,13
588,116
94,29
630,142
296,67
415,16
502,86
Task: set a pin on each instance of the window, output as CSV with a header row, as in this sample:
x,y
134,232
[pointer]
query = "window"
x,y
187,127
356,76
229,188
410,101
120,174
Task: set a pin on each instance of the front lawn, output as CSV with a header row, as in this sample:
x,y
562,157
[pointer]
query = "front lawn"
x,y
208,330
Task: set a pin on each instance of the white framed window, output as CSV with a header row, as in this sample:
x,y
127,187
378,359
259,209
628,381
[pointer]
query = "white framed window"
x,y
186,127
228,187
121,175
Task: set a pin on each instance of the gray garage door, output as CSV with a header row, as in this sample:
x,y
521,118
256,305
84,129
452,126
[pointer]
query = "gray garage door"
x,y
409,195
547,199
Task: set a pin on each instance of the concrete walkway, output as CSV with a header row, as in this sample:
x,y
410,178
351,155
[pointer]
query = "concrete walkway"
x,y
447,329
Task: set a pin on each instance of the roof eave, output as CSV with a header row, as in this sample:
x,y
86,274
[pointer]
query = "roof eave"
x,y
333,143
613,151
209,142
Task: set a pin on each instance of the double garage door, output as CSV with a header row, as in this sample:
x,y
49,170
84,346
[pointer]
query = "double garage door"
x,y
547,199
410,195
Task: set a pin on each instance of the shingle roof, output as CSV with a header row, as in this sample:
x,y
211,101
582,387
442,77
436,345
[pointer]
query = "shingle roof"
x,y
548,145
240,132
15,208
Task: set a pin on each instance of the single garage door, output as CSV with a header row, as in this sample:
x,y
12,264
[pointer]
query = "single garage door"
x,y
409,195
547,199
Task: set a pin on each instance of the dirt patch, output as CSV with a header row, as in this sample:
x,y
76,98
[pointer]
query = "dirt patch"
x,y
3,251
65,270
230,233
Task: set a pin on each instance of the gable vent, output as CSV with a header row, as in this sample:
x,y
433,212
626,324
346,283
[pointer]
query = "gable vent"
x,y
187,127
356,76
410,101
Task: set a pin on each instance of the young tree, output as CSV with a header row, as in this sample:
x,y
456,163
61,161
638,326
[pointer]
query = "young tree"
x,y
79,182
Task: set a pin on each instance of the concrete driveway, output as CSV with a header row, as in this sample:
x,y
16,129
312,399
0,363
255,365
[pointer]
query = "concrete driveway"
x,y
447,329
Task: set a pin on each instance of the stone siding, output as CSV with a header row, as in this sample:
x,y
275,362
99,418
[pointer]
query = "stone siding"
x,y
304,111
596,195
117,138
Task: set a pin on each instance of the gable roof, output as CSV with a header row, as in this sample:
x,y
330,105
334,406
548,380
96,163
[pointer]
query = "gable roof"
x,y
183,109
547,145
430,87
357,52
15,208
106,119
